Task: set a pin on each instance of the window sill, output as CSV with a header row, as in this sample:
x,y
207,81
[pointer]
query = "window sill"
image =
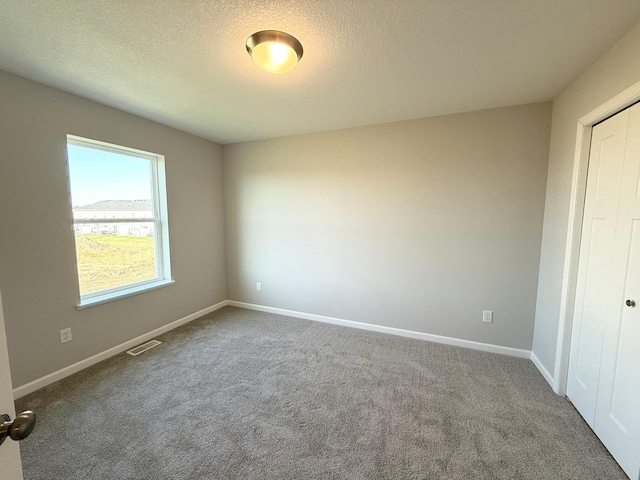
x,y
111,297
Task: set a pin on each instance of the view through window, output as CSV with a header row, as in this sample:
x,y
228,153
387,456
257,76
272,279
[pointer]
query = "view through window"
x,y
118,203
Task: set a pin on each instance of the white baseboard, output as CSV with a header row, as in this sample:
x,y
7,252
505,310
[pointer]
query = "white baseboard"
x,y
486,347
87,362
545,373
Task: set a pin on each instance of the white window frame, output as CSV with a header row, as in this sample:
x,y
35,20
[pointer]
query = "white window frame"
x,y
160,220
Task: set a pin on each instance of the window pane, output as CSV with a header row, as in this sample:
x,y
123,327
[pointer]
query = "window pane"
x,y
108,181
110,190
114,254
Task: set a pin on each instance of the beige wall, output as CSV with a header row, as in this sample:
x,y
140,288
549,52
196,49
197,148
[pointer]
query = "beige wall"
x,y
37,258
417,225
615,71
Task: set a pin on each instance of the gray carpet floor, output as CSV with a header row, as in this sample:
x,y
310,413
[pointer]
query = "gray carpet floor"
x,y
249,395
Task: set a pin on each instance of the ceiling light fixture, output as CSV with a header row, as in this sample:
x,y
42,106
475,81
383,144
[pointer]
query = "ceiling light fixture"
x,y
274,51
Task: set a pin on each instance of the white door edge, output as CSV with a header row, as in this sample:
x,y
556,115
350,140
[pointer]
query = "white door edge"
x,y
10,464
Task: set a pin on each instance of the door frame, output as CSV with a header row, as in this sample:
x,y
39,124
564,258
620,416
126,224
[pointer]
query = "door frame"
x,y
574,230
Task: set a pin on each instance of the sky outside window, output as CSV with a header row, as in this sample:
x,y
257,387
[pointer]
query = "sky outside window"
x,y
97,175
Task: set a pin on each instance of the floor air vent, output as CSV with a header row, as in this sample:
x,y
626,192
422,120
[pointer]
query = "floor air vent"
x,y
143,348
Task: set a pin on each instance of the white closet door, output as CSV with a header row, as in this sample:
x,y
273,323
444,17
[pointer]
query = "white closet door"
x,y
594,284
617,419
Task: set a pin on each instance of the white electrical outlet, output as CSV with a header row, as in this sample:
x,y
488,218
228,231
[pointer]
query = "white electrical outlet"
x,y
65,335
487,316
259,286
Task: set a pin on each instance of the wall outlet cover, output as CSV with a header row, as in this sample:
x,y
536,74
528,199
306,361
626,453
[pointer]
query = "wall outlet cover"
x,y
65,335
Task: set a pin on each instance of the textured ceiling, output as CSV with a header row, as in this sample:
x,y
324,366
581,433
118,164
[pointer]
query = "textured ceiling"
x,y
184,63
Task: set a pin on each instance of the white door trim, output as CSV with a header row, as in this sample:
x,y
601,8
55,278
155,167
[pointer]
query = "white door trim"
x,y
574,230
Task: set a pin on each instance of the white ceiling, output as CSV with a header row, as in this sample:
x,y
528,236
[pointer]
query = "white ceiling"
x,y
184,63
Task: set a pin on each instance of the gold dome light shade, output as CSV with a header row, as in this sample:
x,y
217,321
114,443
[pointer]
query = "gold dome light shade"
x,y
274,51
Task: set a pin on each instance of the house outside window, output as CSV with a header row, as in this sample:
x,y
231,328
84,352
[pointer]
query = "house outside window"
x,y
120,222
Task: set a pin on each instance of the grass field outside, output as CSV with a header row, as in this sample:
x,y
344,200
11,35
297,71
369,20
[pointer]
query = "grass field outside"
x,y
108,261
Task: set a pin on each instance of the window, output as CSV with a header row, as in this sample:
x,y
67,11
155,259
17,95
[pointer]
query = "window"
x,y
119,207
